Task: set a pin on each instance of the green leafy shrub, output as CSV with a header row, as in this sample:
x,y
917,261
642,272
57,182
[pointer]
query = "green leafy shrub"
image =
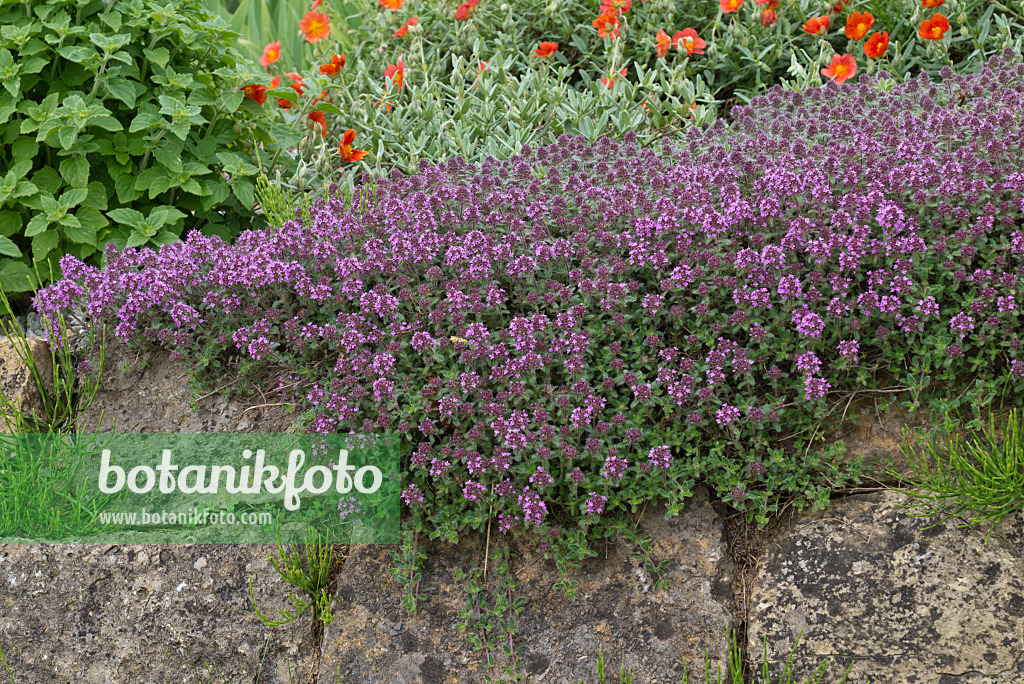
x,y
120,121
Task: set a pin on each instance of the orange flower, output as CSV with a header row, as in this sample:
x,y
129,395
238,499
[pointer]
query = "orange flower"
x,y
817,25
768,17
689,40
395,73
391,4
337,62
347,153
841,68
662,42
259,92
857,25
256,92
934,28
271,53
545,49
931,4
319,118
609,82
616,6
400,33
774,4
836,8
877,45
315,26
607,25
728,6
463,10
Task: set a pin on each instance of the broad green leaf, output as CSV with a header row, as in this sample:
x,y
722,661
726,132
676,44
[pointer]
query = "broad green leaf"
x,y
36,225
328,107
48,180
121,89
67,135
159,56
165,237
180,129
169,154
76,53
244,191
144,121
137,239
230,101
284,94
92,219
8,105
124,186
75,170
25,189
10,222
81,234
15,276
108,123
148,177
165,214
44,243
24,147
8,248
110,43
127,216
20,169
73,197
33,66
97,198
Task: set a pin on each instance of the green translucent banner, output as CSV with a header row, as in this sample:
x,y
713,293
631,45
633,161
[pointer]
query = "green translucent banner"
x,y
198,489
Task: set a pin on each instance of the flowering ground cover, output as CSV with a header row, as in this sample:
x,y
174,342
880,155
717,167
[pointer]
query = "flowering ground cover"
x,y
566,335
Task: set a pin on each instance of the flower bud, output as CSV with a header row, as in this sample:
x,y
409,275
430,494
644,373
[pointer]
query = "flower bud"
x,y
768,17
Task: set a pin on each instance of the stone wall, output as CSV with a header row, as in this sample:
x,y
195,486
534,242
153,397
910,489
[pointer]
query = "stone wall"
x,y
862,580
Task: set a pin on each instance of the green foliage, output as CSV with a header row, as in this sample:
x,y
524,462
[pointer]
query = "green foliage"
x,y
42,495
120,122
308,567
735,667
980,479
489,623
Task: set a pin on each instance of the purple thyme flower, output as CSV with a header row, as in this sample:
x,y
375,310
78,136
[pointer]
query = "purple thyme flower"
x,y
596,503
473,491
849,349
961,324
726,414
412,496
615,467
660,456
